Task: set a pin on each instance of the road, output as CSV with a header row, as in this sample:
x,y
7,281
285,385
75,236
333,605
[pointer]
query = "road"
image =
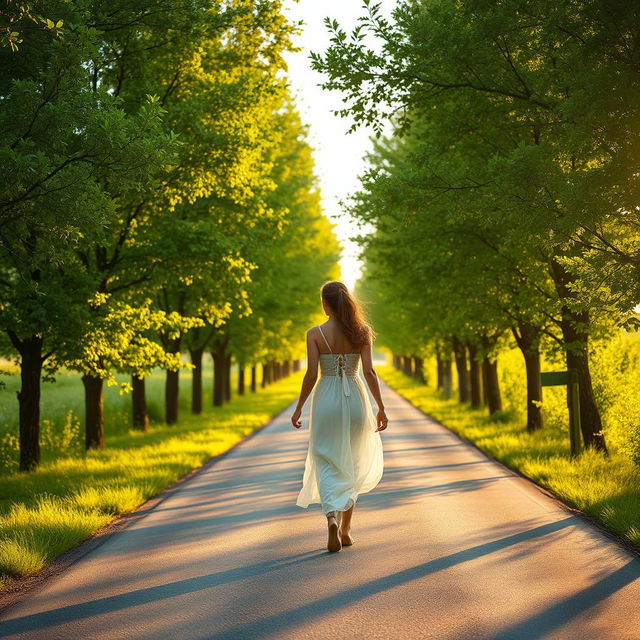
x,y
449,545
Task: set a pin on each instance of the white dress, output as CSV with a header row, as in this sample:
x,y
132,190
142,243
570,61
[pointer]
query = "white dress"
x,y
345,457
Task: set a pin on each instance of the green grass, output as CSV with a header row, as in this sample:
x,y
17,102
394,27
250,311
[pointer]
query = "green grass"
x,y
606,488
62,403
72,495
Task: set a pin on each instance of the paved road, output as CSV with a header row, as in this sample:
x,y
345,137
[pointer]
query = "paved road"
x,y
449,545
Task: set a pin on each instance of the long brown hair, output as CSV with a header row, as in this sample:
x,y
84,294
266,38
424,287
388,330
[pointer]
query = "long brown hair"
x,y
348,312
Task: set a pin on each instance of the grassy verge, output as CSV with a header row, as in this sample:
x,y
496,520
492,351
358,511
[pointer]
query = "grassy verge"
x,y
606,488
70,497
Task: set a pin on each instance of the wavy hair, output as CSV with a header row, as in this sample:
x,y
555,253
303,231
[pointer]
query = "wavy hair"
x,y
348,312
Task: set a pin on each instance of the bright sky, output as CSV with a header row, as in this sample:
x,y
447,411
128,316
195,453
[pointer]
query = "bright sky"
x,y
338,156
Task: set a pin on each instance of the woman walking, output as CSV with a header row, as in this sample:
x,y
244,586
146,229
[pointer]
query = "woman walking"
x,y
345,456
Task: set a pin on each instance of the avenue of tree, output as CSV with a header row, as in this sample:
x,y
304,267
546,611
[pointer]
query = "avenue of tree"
x,y
505,200
157,199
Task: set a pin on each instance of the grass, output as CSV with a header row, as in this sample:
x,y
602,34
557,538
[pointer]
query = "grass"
x,y
606,488
73,494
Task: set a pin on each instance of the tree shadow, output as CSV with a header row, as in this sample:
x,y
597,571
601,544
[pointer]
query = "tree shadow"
x,y
130,599
447,488
551,618
208,524
427,448
434,467
277,623
421,436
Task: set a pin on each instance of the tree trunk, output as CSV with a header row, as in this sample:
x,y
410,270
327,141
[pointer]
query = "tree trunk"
x,y
485,385
218,379
196,380
171,396
575,327
494,399
31,360
446,378
406,365
227,378
535,419
94,412
172,387
475,377
241,379
254,378
527,339
219,362
419,369
265,374
439,372
296,366
139,404
286,368
460,355
578,359
214,379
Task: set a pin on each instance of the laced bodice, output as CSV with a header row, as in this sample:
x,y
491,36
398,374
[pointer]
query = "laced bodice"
x,y
339,364
343,365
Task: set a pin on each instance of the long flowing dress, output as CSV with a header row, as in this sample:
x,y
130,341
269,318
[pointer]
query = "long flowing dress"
x,y
345,457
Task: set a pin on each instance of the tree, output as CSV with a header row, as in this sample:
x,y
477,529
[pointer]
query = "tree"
x,y
92,160
553,84
300,255
62,142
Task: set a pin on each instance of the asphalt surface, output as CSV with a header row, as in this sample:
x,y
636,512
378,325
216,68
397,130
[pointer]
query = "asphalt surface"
x,y
449,545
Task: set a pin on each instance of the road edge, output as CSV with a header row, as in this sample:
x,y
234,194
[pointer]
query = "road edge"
x,y
21,588
589,519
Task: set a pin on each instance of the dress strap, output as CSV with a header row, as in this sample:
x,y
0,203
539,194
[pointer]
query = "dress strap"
x,y
325,340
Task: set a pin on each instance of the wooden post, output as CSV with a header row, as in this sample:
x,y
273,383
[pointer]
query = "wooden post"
x,y
573,401
569,378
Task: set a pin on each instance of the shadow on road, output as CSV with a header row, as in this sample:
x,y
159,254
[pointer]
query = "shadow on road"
x,y
273,625
555,616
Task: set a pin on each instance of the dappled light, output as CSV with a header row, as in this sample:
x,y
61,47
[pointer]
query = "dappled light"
x,y
286,278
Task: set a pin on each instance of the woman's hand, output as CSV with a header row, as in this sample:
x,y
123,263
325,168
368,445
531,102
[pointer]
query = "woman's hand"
x,y
381,420
295,419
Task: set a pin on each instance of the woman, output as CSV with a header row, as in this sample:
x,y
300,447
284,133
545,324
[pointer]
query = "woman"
x,y
344,458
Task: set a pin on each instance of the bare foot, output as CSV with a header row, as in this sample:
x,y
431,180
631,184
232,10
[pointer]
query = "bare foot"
x,y
345,538
333,543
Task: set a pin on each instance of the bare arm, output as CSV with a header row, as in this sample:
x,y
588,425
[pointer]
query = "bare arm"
x,y
309,380
371,377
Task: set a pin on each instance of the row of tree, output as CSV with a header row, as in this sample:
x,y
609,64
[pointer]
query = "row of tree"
x,y
505,201
157,197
